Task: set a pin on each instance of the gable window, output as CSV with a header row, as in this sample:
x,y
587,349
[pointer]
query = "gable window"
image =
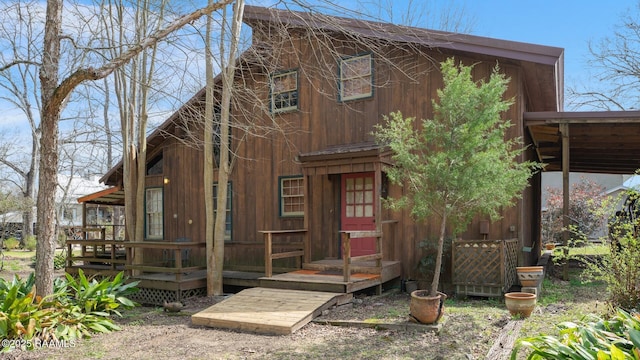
x,y
291,196
217,133
356,77
284,91
154,225
227,221
154,167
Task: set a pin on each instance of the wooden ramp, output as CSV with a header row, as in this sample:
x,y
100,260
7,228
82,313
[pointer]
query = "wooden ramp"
x,y
267,311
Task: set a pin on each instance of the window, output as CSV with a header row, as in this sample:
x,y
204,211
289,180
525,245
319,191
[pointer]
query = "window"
x,y
70,214
292,196
154,167
217,144
227,222
154,213
356,77
284,91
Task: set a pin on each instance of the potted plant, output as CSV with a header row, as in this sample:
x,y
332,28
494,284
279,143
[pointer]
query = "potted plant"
x,y
458,164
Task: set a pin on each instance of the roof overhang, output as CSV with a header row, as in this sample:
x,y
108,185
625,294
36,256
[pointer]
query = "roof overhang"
x,y
111,196
599,141
342,159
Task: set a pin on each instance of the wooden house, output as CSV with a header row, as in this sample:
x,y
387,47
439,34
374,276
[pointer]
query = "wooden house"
x,y
306,169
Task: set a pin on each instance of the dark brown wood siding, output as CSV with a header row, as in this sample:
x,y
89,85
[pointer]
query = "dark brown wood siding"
x,y
407,83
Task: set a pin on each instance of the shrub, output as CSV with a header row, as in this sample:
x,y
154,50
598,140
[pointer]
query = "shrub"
x,y
11,243
59,261
76,309
30,243
619,268
618,338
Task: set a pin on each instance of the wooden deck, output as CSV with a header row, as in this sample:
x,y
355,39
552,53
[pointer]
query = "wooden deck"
x,y
267,311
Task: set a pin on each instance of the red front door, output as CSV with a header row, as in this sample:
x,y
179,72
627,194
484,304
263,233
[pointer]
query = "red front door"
x,y
358,210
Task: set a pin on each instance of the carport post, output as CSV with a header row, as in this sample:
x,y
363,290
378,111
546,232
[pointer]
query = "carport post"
x,y
564,131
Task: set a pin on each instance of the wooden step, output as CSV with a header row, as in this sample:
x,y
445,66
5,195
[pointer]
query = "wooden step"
x,y
335,267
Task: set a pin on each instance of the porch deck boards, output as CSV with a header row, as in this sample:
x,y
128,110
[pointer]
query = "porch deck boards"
x,y
267,311
323,275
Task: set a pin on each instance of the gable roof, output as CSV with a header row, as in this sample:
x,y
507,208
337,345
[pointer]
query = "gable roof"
x,y
542,65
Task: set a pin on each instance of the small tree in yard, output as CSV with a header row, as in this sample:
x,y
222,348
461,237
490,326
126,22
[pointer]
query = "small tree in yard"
x,y
585,202
458,164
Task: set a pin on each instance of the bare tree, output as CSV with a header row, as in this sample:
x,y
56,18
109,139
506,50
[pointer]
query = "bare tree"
x,y
616,68
19,85
53,93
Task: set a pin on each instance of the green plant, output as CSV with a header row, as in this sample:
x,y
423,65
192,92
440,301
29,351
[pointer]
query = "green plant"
x,y
30,243
617,338
76,309
11,243
102,296
60,260
460,163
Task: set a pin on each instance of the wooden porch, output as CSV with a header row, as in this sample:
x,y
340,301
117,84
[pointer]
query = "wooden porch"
x,y
180,277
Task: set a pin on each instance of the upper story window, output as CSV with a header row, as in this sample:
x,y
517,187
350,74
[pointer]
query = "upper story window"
x,y
356,77
217,137
154,167
284,91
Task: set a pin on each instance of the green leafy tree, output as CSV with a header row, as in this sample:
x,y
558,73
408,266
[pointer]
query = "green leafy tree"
x,y
458,164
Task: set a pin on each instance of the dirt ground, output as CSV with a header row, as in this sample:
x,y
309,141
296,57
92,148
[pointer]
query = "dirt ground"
x,y
150,333
470,328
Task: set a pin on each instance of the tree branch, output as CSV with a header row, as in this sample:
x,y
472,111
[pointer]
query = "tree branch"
x,y
18,62
81,75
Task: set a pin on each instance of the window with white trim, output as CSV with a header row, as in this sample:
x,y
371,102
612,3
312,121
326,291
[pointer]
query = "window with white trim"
x,y
284,91
356,77
292,196
154,213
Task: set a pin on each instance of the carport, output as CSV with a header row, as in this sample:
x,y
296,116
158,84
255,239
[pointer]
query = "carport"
x,y
591,142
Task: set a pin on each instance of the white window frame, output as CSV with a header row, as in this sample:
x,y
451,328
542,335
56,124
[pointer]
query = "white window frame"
x,y
284,196
289,92
154,213
347,76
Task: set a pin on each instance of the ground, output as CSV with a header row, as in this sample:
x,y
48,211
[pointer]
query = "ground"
x,y
470,327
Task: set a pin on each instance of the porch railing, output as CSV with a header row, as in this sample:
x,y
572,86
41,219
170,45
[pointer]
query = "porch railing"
x,y
346,251
176,247
94,248
296,252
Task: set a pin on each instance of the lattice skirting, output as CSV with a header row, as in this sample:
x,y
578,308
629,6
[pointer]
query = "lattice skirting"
x,y
484,267
149,296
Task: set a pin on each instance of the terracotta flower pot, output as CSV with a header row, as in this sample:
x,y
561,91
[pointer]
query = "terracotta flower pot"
x,y
427,309
520,303
530,276
550,246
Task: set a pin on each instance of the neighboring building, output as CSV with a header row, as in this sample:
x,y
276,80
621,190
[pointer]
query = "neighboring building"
x,y
69,211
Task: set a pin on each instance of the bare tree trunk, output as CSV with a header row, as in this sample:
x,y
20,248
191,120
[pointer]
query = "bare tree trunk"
x,y
223,168
436,273
107,125
208,157
46,245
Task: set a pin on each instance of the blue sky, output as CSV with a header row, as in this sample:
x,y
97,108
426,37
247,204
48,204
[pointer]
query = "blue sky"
x,y
569,24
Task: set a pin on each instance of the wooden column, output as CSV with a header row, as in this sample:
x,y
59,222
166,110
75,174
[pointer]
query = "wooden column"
x,y
564,131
